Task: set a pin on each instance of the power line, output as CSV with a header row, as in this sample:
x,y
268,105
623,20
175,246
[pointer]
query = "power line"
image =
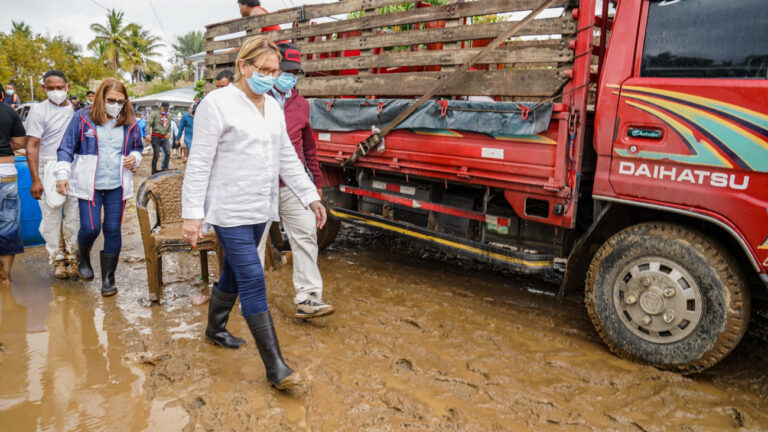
x,y
99,5
157,17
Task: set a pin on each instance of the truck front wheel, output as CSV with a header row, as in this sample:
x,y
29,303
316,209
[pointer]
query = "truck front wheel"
x,y
665,295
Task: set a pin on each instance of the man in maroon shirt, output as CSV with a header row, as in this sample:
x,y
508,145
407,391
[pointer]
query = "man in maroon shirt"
x,y
298,222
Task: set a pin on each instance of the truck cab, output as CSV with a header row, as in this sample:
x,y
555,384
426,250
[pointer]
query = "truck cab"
x,y
681,138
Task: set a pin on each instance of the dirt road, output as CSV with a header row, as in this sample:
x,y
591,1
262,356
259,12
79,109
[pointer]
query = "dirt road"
x,y
418,343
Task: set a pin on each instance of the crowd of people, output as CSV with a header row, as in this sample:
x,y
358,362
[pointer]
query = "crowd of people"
x,y
250,138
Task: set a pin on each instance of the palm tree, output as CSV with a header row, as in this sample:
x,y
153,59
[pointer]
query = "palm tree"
x,y
20,27
113,41
187,45
145,45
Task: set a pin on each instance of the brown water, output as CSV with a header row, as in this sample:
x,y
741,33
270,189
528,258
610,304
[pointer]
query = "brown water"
x,y
62,365
416,344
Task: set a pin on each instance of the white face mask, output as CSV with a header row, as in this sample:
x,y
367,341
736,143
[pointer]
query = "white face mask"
x,y
57,96
113,109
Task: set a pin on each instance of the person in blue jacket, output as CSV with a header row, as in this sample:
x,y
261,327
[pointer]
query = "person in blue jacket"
x,y
100,147
142,125
185,128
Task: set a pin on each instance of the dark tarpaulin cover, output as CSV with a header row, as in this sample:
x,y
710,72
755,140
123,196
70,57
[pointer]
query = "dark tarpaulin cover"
x,y
493,118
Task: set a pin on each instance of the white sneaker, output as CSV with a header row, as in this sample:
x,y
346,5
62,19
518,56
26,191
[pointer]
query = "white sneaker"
x,y
313,309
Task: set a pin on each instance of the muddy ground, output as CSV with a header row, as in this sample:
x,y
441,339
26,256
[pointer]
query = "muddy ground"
x,y
420,341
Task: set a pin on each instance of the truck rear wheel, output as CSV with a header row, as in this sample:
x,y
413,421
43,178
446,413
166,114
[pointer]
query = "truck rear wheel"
x,y
664,295
327,235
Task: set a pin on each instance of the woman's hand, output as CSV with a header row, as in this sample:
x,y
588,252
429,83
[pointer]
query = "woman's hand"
x,y
192,230
320,215
129,162
62,187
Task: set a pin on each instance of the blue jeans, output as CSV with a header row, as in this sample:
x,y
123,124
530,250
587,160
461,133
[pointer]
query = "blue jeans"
x,y
242,273
10,219
90,220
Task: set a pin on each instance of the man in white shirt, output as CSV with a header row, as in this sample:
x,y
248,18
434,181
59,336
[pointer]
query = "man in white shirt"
x,y
46,125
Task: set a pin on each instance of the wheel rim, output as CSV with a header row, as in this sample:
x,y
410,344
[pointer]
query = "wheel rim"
x,y
658,300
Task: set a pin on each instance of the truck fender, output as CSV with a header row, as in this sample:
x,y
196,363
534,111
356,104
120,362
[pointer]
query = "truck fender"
x,y
586,246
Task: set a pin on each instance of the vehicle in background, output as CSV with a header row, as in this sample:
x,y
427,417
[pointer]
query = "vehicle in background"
x,y
23,111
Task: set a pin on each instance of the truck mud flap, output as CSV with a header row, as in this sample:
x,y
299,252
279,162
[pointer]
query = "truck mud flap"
x,y
519,261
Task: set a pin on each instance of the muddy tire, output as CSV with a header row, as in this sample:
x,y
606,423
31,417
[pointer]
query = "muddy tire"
x,y
328,234
325,236
667,296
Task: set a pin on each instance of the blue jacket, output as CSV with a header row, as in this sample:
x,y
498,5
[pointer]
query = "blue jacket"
x,y
142,128
78,156
186,127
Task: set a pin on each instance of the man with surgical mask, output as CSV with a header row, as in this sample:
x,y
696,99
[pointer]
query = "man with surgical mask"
x,y
11,97
46,125
299,223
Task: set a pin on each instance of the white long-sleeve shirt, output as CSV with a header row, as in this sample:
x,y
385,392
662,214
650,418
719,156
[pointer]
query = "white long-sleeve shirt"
x,y
238,157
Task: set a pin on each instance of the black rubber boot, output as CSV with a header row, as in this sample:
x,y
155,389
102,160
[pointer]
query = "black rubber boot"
x,y
278,373
219,307
84,265
108,266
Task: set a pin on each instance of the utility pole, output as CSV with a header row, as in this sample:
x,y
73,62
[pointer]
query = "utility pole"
x,y
31,89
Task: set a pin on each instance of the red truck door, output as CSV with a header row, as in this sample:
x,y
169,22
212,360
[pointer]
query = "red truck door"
x,y
692,122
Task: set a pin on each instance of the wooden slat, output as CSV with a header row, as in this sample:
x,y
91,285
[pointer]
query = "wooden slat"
x,y
523,83
370,13
546,51
443,57
533,83
284,16
469,9
548,26
451,45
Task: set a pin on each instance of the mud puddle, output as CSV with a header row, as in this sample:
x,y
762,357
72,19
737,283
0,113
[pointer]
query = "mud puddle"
x,y
62,364
420,341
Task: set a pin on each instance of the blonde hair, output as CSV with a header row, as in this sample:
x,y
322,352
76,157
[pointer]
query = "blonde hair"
x,y
254,49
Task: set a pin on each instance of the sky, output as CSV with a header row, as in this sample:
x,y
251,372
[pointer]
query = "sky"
x,y
73,18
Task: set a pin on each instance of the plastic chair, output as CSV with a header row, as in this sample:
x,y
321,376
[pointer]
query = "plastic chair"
x,y
164,189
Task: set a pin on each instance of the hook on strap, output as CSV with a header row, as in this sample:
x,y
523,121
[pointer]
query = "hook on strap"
x,y
524,111
443,107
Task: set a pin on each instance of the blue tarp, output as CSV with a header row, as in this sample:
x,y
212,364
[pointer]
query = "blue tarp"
x,y
493,118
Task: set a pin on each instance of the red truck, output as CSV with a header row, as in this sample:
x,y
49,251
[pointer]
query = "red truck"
x,y
649,177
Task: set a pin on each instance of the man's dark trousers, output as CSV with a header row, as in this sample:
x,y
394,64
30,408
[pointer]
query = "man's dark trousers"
x,y
159,142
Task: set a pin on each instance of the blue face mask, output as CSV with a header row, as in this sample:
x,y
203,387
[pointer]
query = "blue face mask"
x,y
10,92
260,84
285,82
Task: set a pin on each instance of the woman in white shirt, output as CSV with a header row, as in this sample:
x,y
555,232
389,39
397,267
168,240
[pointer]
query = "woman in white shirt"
x,y
240,150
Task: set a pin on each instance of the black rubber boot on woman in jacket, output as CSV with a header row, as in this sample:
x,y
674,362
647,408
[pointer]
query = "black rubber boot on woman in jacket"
x,y
278,373
84,263
108,266
219,307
